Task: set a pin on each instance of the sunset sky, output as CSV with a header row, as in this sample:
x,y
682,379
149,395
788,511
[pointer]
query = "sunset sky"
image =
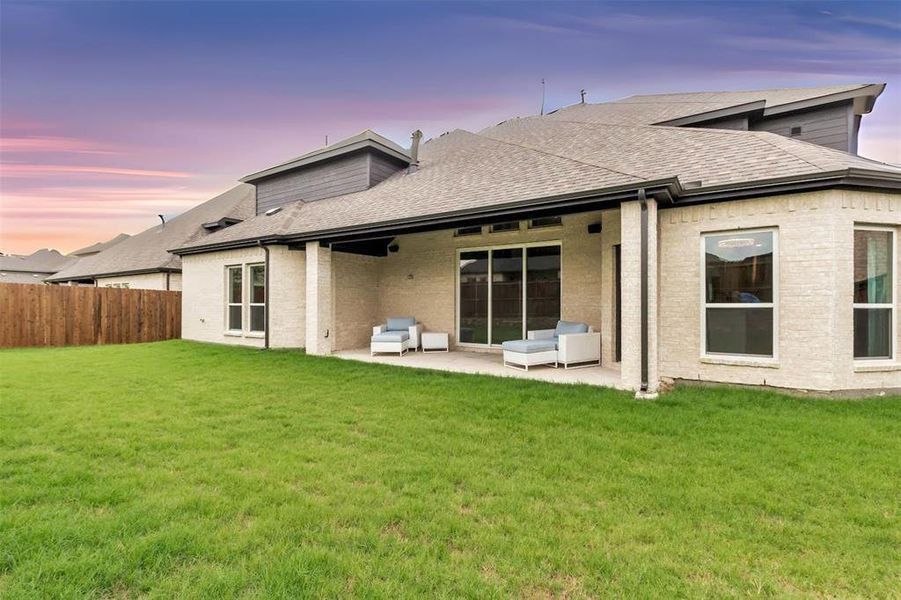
x,y
111,113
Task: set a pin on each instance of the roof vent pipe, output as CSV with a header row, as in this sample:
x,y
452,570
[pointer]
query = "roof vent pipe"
x,y
414,150
162,220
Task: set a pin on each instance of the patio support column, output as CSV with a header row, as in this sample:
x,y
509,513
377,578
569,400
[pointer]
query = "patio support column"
x,y
639,319
319,330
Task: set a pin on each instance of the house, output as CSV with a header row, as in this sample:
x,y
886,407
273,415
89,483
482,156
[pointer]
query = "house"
x,y
34,268
99,246
720,236
143,261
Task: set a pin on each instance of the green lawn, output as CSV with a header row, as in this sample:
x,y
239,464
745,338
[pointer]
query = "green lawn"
x,y
181,469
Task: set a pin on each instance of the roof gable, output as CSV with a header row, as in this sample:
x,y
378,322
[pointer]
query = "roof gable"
x,y
365,140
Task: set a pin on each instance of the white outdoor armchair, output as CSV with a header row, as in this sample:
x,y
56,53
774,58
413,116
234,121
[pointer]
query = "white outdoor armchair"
x,y
398,335
578,345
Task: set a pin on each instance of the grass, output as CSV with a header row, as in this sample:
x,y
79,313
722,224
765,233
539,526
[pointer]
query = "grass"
x,y
182,469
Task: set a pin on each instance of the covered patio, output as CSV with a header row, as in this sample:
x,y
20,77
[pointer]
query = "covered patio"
x,y
488,363
483,285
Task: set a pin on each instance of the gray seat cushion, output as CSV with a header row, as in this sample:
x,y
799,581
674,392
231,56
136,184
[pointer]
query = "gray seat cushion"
x,y
391,336
400,323
564,327
530,346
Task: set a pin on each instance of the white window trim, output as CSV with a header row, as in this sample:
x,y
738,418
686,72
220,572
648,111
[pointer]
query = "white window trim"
x,y
523,245
229,303
748,359
893,305
249,294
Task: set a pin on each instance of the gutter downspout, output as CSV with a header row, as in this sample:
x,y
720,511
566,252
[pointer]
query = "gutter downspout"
x,y
642,199
266,288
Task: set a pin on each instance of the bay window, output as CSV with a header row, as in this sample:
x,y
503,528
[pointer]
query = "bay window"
x,y
874,293
740,271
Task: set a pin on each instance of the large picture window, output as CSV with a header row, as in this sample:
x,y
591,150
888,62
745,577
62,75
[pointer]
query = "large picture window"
x,y
739,293
505,291
874,293
235,304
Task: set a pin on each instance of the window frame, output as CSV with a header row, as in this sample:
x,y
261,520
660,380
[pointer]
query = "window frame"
x,y
500,227
489,248
892,306
228,300
250,304
774,305
557,223
469,231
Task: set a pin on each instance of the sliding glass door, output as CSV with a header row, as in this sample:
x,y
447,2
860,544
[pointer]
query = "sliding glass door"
x,y
473,294
542,287
503,292
506,295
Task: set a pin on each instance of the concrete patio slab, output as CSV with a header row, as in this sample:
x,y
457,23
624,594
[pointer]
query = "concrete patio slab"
x,y
488,363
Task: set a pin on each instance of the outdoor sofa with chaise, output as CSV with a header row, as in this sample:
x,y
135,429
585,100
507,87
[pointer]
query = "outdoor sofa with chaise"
x,y
398,334
573,344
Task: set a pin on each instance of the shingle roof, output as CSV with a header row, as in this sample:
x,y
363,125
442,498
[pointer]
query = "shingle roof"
x,y
149,250
569,152
773,97
712,156
458,171
533,158
100,246
660,108
43,261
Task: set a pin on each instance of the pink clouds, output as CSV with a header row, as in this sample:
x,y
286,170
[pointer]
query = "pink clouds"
x,y
50,144
65,204
68,217
32,170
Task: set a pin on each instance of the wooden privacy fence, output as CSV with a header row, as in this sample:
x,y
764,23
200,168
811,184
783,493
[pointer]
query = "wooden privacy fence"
x,y
53,315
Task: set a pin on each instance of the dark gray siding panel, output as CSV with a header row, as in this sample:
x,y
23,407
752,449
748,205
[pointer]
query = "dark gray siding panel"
x,y
381,168
739,123
334,178
831,126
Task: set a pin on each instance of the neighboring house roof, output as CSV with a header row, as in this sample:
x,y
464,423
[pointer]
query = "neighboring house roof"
x,y
43,261
100,246
16,277
365,139
148,251
533,159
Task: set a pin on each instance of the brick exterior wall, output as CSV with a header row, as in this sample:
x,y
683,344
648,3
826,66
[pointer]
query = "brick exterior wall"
x,y
287,308
630,229
319,294
356,309
814,306
610,237
420,279
203,296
